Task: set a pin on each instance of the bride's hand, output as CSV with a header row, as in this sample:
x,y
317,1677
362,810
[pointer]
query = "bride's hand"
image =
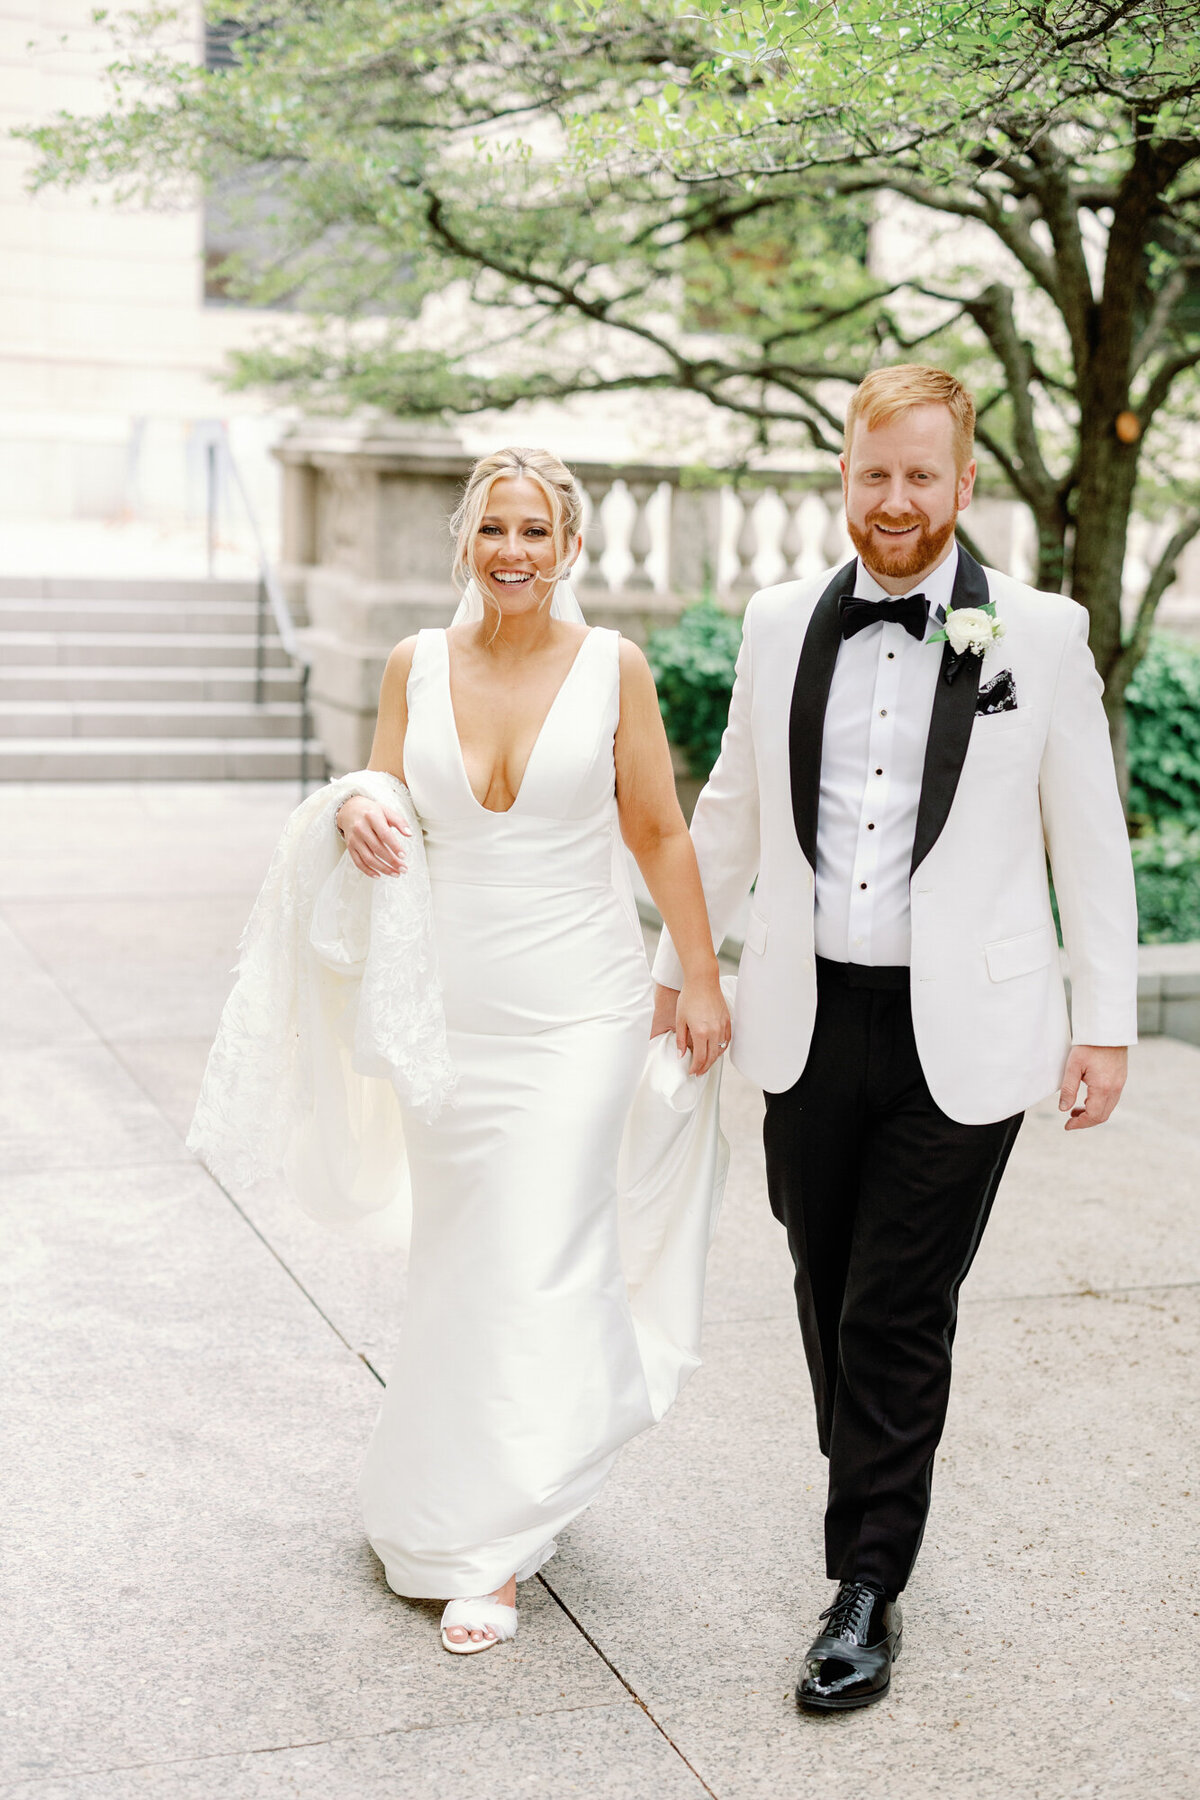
x,y
702,1022
374,835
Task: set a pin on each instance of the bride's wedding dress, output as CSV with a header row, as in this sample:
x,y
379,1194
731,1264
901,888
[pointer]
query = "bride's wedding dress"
x,y
518,1374
562,1201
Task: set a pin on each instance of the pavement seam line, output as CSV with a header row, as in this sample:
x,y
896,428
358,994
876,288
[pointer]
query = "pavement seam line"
x,y
292,1276
318,1309
114,1050
629,1689
344,1737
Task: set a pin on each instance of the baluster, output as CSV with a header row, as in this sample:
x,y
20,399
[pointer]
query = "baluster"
x,y
772,515
641,541
746,545
595,533
809,523
792,543
1022,555
835,542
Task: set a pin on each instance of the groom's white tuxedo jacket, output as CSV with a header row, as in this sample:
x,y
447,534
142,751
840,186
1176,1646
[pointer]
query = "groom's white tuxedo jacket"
x,y
1000,789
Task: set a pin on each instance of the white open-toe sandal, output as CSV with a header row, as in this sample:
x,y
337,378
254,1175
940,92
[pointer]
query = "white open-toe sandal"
x,y
478,1615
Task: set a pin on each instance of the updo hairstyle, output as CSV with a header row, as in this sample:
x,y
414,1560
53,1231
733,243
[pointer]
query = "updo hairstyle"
x,y
563,494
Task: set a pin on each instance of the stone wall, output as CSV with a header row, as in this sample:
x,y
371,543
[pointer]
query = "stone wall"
x,y
367,550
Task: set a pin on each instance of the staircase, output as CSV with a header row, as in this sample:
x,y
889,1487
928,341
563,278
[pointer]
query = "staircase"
x,y
143,680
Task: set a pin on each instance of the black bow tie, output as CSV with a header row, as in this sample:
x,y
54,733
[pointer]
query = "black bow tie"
x,y
912,612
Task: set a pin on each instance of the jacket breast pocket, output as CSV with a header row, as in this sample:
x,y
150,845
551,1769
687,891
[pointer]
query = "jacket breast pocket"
x,y
756,933
991,727
1009,957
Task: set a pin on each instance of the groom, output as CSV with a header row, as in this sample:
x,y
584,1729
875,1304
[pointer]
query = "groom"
x,y
907,739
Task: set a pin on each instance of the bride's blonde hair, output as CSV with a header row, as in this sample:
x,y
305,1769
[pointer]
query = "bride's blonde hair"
x,y
563,494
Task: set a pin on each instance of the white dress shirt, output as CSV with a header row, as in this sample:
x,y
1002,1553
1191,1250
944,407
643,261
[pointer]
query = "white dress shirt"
x,y
872,761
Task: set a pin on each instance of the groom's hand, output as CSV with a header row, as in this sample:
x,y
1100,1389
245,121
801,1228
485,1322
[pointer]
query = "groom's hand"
x,y
1102,1069
666,1001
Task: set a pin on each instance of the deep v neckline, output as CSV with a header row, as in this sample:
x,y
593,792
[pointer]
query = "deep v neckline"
x,y
503,812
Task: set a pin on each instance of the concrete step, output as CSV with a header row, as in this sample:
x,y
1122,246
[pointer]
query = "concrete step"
x,y
154,759
91,681
181,589
164,649
155,719
226,617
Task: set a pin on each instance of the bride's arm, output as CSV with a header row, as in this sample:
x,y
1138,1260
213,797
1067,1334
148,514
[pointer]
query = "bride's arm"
x,y
654,828
374,834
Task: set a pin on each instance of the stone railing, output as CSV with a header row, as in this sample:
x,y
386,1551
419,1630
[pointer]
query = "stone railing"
x,y
366,549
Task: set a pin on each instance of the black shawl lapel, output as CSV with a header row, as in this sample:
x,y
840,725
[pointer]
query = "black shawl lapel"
x,y
806,725
953,717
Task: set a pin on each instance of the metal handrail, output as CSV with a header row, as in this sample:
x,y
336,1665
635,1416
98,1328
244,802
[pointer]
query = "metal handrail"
x,y
270,592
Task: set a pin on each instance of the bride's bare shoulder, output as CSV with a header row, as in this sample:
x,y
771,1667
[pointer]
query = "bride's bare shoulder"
x,y
400,659
633,665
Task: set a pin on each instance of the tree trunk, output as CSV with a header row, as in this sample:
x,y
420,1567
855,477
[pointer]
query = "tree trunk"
x,y
1051,551
1104,503
1108,467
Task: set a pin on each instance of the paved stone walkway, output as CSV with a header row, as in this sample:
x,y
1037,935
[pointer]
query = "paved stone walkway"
x,y
191,1376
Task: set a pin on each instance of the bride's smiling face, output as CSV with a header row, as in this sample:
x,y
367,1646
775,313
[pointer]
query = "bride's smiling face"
x,y
516,554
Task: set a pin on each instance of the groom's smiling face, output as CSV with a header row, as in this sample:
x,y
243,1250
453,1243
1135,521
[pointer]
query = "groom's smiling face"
x,y
904,493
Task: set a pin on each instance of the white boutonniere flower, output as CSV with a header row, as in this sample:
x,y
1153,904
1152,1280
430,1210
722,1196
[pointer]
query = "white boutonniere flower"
x,y
970,629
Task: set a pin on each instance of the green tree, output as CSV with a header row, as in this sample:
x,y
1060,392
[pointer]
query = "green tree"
x,y
674,194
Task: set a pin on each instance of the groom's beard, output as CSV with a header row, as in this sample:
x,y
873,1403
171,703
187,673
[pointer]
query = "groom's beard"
x,y
898,561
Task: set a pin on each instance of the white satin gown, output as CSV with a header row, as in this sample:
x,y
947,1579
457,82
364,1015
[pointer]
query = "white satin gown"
x,y
521,1368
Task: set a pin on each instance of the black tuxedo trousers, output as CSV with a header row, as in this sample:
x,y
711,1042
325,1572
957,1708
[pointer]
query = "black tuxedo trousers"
x,y
884,1199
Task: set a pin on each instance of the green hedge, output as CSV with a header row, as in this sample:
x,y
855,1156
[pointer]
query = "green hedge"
x,y
1163,702
1166,868
693,664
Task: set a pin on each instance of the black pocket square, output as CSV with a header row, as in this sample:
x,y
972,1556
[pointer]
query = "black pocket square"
x,y
999,696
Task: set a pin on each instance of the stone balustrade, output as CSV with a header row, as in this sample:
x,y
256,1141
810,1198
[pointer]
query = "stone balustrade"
x,y
367,548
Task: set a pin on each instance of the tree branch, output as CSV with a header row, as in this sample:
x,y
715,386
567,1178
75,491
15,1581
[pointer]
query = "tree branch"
x,y
1161,577
992,311
1013,233
1165,301
1164,379
1076,300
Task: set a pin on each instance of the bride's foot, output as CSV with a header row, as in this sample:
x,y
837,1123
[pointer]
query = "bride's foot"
x,y
494,1620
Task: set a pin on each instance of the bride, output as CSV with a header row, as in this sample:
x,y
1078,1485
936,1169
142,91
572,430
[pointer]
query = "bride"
x,y
520,1371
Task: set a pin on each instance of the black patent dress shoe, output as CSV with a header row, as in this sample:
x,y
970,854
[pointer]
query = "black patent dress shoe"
x,y
850,1664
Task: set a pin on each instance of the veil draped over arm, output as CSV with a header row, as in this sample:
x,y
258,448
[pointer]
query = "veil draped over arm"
x,y
335,1024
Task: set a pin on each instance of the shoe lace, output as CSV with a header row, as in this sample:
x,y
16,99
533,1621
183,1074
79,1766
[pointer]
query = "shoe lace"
x,y
850,1610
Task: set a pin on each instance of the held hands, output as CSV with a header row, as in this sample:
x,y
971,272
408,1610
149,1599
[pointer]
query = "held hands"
x,y
666,1004
699,1018
374,835
1102,1069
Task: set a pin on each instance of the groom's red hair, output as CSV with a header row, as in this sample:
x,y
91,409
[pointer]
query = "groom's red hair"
x,y
886,393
